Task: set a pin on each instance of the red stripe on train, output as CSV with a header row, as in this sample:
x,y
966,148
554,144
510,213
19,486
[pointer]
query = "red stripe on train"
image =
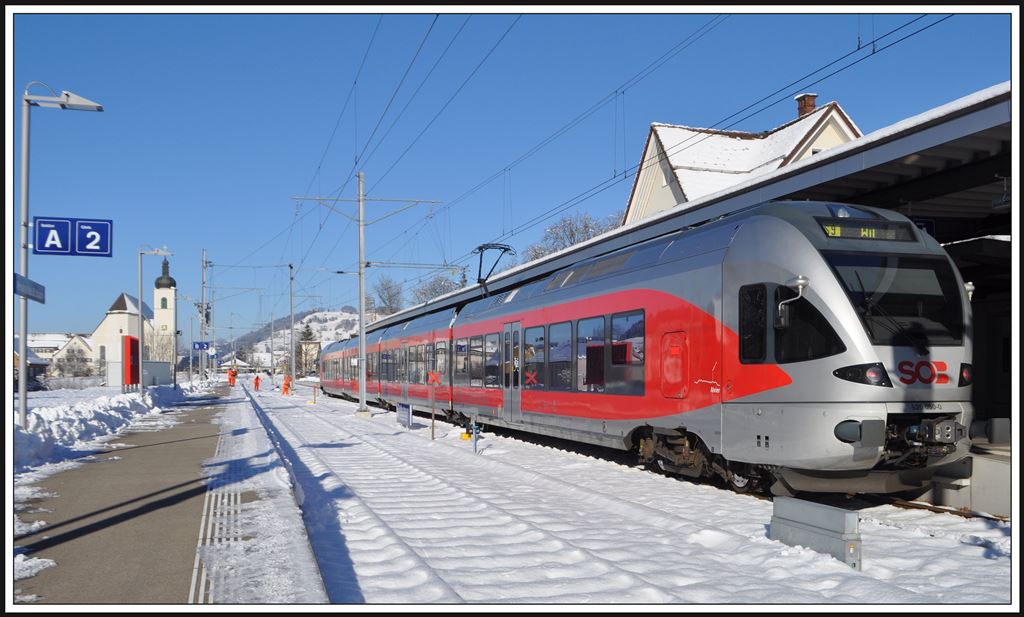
x,y
712,375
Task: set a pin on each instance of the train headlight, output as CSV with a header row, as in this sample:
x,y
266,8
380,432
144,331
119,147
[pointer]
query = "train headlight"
x,y
871,374
966,375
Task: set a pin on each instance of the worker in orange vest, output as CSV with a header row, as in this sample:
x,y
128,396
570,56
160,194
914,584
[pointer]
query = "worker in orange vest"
x,y
286,388
256,383
231,376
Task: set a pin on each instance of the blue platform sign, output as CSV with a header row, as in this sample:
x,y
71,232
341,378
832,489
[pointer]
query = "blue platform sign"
x,y
67,236
200,345
32,290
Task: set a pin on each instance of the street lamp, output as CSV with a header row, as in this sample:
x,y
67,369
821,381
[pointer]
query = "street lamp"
x,y
142,331
66,100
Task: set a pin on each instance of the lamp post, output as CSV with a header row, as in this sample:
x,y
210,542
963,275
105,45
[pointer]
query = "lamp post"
x,y
66,100
142,331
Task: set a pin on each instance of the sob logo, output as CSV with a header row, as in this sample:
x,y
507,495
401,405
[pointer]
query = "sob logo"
x,y
922,372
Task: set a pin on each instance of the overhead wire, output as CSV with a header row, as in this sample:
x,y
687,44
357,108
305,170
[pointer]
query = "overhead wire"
x,y
675,50
397,88
609,182
447,103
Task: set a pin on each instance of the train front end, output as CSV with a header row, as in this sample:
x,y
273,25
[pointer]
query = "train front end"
x,y
870,319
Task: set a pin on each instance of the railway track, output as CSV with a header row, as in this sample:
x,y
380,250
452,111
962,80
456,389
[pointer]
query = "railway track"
x,y
628,460
536,507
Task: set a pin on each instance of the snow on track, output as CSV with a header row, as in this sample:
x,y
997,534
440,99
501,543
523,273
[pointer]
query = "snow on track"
x,y
416,520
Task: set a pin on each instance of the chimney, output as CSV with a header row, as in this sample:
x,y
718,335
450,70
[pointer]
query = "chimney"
x,y
806,103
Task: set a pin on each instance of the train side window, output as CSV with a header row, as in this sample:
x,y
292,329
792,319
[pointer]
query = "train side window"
x,y
753,323
628,338
625,371
809,336
590,344
441,360
476,361
533,359
403,366
417,365
461,357
410,363
559,356
492,361
421,363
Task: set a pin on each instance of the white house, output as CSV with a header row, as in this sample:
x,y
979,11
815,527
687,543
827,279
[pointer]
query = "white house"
x,y
45,345
76,358
682,163
122,319
70,351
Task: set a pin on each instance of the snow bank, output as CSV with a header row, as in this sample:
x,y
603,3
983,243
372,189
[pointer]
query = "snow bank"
x,y
25,567
56,432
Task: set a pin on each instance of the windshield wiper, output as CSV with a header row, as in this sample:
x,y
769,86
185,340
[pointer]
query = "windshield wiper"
x,y
866,306
919,346
893,326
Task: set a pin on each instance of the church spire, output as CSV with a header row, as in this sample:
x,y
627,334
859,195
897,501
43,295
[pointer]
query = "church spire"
x,y
164,281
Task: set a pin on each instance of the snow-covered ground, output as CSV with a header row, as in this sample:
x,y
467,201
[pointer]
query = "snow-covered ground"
x,y
395,517
63,423
253,547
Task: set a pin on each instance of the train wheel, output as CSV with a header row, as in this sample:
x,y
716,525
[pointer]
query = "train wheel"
x,y
739,483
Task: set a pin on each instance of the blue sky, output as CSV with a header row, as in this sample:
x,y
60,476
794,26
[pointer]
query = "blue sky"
x,y
213,122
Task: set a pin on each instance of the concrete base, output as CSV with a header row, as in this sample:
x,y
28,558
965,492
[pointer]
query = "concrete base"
x,y
979,483
823,528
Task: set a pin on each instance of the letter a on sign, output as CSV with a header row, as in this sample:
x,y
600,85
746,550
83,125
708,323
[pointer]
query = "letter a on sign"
x,y
52,240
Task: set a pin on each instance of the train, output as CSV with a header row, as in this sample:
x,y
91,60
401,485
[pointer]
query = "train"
x,y
789,346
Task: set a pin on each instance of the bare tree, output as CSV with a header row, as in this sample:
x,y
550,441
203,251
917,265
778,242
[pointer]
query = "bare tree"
x,y
434,287
163,347
571,229
389,295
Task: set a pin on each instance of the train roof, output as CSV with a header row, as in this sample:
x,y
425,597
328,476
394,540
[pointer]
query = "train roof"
x,y
530,274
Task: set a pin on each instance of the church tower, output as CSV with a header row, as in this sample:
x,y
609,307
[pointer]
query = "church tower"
x,y
165,318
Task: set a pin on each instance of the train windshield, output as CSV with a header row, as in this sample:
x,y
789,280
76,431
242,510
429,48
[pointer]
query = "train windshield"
x,y
902,299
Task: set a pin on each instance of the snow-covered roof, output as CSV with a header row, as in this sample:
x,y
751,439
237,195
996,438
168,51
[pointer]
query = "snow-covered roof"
x,y
47,340
85,340
129,304
30,356
706,161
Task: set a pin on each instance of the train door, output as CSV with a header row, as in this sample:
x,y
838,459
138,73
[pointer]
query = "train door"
x,y
512,362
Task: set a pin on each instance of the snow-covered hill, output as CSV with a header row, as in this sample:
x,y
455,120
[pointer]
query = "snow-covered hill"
x,y
327,327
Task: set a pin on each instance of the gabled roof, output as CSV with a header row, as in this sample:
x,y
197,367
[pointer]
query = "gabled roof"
x,y
706,161
128,304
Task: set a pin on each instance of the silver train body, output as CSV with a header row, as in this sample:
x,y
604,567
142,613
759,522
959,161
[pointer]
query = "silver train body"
x,y
804,346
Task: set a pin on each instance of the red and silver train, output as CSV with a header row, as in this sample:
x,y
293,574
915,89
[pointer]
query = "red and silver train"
x,y
801,346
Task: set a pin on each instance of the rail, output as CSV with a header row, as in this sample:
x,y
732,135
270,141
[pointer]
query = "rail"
x,y
314,386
